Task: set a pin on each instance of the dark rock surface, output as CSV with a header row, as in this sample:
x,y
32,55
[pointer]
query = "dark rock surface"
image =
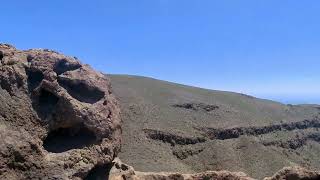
x,y
197,106
58,117
172,139
223,134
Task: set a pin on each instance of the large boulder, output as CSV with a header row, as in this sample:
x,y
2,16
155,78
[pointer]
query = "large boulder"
x,y
58,117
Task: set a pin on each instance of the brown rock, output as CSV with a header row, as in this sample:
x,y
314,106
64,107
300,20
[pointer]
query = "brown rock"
x,y
121,171
58,117
295,173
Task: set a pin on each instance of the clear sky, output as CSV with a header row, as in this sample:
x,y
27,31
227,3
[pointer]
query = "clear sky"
x,y
266,48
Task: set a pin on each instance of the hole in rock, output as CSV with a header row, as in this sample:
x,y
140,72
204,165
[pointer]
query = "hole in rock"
x,y
81,91
34,79
5,86
64,139
99,172
1,55
29,57
64,66
46,103
124,167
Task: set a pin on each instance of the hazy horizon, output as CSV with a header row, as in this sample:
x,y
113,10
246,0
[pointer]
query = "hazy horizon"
x,y
268,49
295,99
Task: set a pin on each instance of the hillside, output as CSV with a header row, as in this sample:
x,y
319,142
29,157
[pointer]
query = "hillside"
x,y
172,127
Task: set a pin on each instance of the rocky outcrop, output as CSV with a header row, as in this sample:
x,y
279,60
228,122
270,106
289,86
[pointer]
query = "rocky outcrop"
x,y
121,171
197,106
296,142
223,134
172,139
58,117
295,173
184,153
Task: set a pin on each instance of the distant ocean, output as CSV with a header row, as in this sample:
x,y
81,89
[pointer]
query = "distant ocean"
x,y
293,99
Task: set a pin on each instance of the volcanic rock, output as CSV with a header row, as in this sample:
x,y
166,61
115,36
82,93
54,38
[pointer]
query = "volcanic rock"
x,y
121,171
295,173
58,117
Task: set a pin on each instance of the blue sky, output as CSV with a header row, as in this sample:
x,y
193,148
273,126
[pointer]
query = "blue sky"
x,y
266,48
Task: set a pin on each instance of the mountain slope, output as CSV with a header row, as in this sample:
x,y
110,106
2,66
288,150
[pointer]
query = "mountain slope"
x,y
172,127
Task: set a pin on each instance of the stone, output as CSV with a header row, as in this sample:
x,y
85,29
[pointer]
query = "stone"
x,y
295,173
121,171
58,117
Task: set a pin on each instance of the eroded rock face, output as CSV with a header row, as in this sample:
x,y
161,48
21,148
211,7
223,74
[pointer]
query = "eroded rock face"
x,y
58,117
121,171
